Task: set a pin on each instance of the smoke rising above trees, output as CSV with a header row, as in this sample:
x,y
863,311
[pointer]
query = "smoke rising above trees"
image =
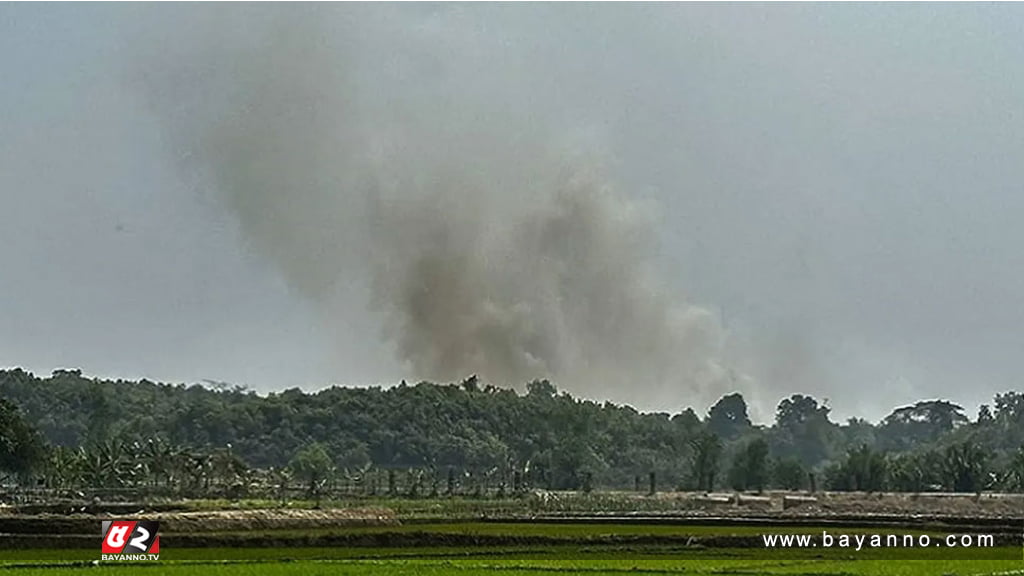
x,y
296,196
488,240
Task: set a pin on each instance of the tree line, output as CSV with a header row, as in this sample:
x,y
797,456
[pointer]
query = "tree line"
x,y
70,432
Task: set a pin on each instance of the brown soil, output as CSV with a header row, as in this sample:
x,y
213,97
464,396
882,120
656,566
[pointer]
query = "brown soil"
x,y
207,521
280,519
830,504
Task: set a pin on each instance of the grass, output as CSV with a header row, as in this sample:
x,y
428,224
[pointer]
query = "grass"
x,y
462,506
448,546
585,530
474,567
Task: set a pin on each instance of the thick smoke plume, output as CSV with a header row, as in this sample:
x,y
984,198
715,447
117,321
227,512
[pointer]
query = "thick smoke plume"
x,y
387,152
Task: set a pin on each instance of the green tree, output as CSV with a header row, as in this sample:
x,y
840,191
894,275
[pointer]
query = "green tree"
x,y
788,473
107,465
313,467
728,418
1015,473
173,437
803,429
21,448
965,467
102,412
925,421
750,466
1009,420
63,469
707,448
863,470
915,471
541,389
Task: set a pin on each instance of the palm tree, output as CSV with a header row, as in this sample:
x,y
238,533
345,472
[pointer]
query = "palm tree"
x,y
104,466
64,469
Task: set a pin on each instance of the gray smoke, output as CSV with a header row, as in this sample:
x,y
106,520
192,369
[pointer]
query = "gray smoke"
x,y
382,149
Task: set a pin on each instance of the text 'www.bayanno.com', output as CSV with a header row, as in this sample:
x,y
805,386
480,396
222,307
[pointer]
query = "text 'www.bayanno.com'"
x,y
877,541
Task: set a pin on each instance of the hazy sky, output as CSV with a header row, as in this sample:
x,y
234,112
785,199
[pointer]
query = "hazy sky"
x,y
839,187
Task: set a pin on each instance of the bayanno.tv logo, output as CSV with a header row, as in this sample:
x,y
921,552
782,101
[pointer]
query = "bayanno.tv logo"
x,y
130,540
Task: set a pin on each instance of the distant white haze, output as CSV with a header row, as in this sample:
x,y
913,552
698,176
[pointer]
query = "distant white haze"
x,y
649,204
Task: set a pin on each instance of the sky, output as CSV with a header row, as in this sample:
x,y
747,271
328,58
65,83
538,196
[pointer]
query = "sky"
x,y
776,198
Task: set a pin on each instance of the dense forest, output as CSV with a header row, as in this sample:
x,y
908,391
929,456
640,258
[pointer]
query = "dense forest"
x,y
71,430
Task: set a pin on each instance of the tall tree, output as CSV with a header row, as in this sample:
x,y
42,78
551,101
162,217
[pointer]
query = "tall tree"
x,y
863,469
788,473
803,430
728,418
750,466
21,448
908,426
707,448
965,467
313,467
1015,473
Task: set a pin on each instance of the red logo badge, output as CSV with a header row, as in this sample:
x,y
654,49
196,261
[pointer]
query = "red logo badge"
x,y
130,537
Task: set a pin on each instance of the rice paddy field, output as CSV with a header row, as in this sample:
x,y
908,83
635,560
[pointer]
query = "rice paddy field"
x,y
475,567
466,538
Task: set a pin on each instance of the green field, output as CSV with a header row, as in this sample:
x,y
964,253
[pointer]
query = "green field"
x,y
506,537
472,567
510,548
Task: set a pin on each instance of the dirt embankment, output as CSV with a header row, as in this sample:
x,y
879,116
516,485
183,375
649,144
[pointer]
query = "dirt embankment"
x,y
832,504
279,519
199,522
